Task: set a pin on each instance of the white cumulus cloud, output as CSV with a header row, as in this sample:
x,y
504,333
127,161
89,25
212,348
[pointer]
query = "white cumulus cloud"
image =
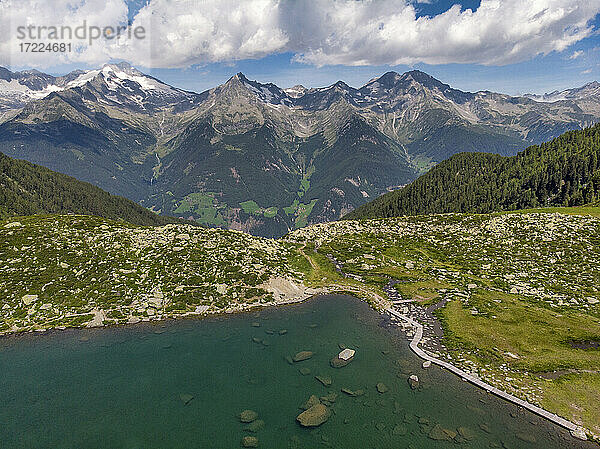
x,y
180,33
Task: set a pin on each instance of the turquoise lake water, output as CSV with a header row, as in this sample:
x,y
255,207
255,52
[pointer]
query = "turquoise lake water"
x,y
127,387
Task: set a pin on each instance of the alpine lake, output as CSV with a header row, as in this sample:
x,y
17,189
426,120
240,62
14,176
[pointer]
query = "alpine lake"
x,y
184,383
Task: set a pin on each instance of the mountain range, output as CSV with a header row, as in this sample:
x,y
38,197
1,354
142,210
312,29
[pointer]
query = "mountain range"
x,y
259,158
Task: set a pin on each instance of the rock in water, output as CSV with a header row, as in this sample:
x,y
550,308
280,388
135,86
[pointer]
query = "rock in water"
x,y
248,416
186,398
314,416
525,437
255,426
346,354
413,381
313,400
249,441
440,434
343,358
400,429
352,393
325,380
381,387
303,355
329,398
466,433
426,364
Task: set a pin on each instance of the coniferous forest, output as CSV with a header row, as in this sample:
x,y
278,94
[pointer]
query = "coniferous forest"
x,y
27,189
562,172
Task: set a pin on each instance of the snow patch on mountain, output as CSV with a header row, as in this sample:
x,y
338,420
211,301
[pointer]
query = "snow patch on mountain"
x,y
588,90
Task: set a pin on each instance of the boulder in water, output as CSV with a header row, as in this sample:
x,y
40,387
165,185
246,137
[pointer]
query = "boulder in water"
x,y
329,398
343,358
325,380
400,430
303,355
353,393
413,381
186,398
347,354
313,400
381,387
485,428
249,441
439,433
466,433
314,416
525,437
255,426
247,416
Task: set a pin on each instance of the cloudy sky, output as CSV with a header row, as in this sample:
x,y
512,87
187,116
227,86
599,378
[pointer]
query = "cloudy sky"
x,y
513,46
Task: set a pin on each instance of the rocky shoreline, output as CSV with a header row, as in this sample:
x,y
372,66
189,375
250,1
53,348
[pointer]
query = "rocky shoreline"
x,y
285,291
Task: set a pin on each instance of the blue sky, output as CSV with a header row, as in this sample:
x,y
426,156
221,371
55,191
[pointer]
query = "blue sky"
x,y
541,74
472,63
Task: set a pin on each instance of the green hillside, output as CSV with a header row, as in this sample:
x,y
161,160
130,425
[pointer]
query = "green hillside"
x,y
28,189
562,172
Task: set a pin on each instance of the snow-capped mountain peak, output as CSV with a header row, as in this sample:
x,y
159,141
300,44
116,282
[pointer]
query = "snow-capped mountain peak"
x,y
587,90
296,91
118,84
266,93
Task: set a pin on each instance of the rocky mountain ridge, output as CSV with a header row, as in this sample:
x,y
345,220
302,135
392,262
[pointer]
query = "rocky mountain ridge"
x,y
257,157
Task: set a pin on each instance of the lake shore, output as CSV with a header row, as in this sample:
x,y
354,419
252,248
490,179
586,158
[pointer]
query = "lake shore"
x,y
293,294
301,294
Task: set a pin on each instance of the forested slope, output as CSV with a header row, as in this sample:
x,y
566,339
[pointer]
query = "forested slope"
x,y
562,172
27,189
